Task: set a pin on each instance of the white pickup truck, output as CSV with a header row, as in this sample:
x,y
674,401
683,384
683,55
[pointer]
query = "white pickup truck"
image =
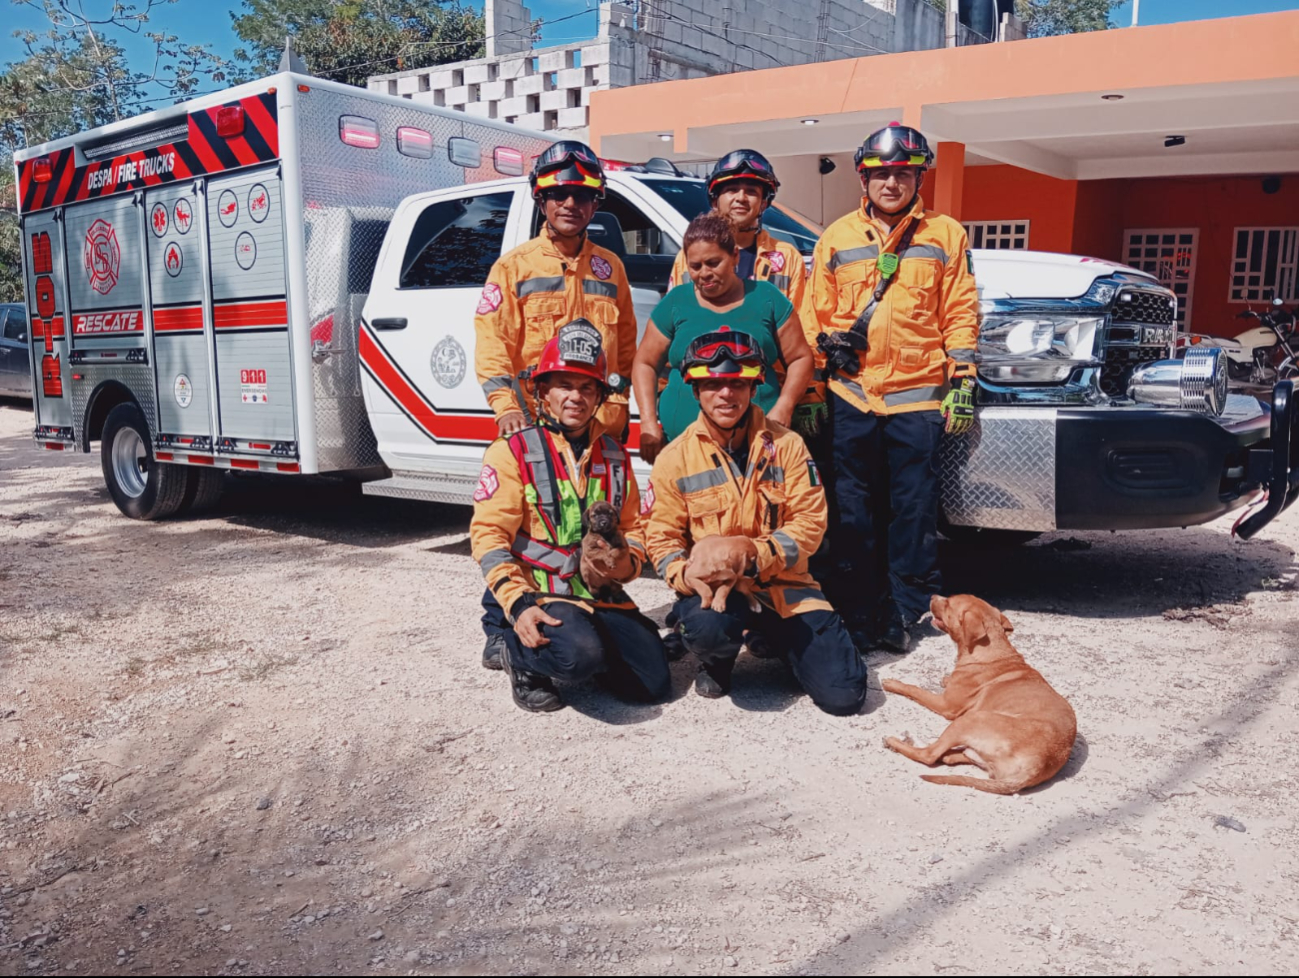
x,y
283,277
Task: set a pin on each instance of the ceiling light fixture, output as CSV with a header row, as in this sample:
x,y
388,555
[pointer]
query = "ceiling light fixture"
x,y
1112,98
810,122
665,137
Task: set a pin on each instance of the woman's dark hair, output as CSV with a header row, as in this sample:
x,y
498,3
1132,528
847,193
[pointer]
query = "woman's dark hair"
x,y
711,227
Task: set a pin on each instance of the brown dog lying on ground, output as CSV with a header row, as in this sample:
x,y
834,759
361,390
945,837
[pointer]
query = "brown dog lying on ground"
x,y
1005,717
715,568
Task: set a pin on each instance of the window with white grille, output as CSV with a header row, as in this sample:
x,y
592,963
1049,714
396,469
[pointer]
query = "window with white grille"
x,y
998,234
1169,255
1265,265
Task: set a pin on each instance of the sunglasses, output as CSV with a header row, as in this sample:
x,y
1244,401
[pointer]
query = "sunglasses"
x,y
580,195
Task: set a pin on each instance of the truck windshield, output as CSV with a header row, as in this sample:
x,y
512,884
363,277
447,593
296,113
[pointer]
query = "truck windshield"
x,y
690,199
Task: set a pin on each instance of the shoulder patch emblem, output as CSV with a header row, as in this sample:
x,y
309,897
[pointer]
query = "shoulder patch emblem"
x,y
813,473
777,260
969,261
647,500
490,300
488,483
600,267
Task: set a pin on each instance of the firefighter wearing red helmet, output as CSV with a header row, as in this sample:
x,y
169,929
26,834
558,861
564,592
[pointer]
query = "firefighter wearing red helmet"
x,y
739,496
558,276
568,617
892,294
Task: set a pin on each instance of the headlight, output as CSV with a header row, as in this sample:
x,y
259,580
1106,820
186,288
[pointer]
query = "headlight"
x,y
1036,348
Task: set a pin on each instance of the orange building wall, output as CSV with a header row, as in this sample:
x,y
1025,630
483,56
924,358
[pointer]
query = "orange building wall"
x,y
1090,217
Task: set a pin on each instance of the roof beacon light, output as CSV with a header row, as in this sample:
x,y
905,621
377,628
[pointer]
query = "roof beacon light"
x,y
230,121
358,131
413,142
42,170
508,161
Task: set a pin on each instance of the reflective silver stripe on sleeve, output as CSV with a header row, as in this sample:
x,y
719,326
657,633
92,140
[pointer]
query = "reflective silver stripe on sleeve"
x,y
493,559
593,286
639,548
496,383
916,396
702,480
774,473
850,255
788,545
780,281
796,594
962,356
926,251
544,284
662,566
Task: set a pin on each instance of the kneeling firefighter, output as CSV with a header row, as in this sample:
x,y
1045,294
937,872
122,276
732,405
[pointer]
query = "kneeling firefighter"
x,y
570,618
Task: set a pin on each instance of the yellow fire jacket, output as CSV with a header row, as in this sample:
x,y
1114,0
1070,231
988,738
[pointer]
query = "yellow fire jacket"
x,y
531,292
511,541
696,492
925,331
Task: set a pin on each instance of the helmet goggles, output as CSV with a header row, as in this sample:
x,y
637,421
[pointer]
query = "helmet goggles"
x,y
743,164
894,145
723,354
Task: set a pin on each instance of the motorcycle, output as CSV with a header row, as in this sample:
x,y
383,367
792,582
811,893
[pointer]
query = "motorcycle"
x,y
1258,357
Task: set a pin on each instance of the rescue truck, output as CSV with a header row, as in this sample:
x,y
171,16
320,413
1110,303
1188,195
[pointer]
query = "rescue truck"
x,y
282,278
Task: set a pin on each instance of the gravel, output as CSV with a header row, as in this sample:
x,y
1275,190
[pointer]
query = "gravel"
x,y
332,639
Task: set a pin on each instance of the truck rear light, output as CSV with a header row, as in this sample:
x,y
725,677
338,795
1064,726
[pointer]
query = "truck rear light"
x,y
54,446
508,162
163,456
42,170
230,121
414,142
358,131
260,446
244,463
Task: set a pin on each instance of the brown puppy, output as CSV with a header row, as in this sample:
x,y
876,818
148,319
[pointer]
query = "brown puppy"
x,y
715,568
1005,717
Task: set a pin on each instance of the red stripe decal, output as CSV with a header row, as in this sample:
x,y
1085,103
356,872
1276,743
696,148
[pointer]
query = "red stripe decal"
x,y
206,155
201,460
163,456
461,428
266,126
240,314
170,320
241,463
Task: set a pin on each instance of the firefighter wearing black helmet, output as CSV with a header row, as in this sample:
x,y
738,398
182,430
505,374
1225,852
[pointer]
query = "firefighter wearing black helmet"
x,y
892,293
557,277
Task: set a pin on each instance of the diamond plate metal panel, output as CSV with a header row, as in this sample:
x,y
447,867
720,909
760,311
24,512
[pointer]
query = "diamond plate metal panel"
x,y
1002,474
137,378
348,198
449,488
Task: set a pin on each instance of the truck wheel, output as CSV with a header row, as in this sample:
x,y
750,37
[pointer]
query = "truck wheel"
x,y
978,536
141,487
202,489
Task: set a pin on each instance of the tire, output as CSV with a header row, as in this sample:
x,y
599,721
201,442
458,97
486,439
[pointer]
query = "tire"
x,y
987,539
142,488
202,490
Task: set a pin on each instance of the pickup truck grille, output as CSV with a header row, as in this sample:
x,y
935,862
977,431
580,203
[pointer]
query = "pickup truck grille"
x,y
1139,332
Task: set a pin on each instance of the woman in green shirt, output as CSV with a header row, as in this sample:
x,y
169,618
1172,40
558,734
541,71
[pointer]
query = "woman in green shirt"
x,y
716,298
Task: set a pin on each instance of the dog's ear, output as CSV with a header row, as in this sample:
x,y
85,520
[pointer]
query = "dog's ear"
x,y
1005,623
974,628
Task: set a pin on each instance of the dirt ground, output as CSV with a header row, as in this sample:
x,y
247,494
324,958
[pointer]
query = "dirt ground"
x,y
260,742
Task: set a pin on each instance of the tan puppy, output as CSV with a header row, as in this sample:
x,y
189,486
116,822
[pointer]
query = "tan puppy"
x,y
1005,717
715,568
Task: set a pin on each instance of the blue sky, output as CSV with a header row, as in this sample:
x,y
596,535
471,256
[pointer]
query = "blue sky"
x,y
209,20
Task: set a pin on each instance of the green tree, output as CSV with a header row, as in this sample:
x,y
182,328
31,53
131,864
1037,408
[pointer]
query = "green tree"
x,y
351,40
11,272
1045,18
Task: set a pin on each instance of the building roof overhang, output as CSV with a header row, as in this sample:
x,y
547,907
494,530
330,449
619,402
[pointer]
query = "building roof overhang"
x,y
1229,86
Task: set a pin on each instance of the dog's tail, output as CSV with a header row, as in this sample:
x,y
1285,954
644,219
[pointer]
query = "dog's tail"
x,y
990,785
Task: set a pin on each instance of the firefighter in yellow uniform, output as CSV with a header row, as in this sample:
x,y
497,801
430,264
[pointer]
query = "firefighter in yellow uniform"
x,y
555,278
569,619
741,187
558,276
736,490
892,291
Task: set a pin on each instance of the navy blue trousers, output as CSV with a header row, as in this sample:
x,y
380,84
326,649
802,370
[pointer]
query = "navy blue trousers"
x,y
815,644
885,487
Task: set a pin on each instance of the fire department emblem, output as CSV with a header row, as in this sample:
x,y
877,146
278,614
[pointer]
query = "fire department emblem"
x,y
183,390
775,259
173,259
103,257
488,483
601,268
158,219
259,202
448,363
490,300
182,215
579,342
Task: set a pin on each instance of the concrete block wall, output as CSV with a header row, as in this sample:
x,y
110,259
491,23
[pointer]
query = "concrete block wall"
x,y
658,40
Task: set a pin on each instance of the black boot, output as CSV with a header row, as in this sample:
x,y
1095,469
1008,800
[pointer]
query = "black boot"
x,y
532,691
714,682
493,650
896,638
